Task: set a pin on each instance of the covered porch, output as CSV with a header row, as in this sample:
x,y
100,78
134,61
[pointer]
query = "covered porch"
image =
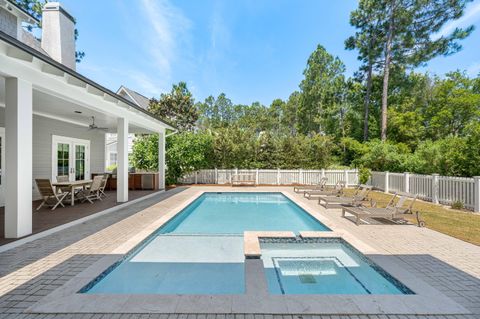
x,y
45,219
46,116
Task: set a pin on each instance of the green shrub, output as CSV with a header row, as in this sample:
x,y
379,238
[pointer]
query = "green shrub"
x,y
458,205
186,152
364,175
385,156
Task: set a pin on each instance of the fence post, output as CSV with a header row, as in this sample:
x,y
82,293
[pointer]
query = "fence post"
x,y
231,176
435,188
322,174
345,174
196,177
278,176
387,188
216,176
301,180
406,187
476,188
256,177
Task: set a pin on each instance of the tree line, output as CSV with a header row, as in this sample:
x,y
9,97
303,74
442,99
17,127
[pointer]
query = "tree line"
x,y
335,120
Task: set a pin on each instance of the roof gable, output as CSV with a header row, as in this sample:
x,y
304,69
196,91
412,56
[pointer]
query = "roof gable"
x,y
134,96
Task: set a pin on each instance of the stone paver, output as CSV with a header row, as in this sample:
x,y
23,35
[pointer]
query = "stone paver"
x,y
35,269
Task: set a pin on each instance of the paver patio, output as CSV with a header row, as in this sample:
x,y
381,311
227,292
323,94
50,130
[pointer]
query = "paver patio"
x,y
45,218
35,269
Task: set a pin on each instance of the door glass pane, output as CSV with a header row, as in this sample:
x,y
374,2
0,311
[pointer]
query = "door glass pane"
x,y
79,162
63,159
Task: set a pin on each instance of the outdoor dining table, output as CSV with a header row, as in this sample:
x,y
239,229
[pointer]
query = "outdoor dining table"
x,y
72,186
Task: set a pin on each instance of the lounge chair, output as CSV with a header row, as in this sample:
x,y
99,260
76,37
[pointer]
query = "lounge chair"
x,y
392,211
337,190
338,201
93,192
50,197
319,186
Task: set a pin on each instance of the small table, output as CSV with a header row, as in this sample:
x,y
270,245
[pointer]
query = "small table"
x,y
72,186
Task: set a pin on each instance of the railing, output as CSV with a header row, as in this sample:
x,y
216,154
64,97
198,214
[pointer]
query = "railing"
x,y
435,188
272,176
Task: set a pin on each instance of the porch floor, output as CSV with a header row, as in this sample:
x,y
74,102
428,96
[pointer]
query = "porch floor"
x,y
45,218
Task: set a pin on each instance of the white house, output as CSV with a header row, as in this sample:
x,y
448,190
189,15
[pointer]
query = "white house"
x,y
46,111
111,139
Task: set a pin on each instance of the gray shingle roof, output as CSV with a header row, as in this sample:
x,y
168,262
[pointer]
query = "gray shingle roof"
x,y
136,97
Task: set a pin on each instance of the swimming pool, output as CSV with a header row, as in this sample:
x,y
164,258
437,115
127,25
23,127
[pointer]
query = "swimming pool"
x,y
323,266
234,213
200,250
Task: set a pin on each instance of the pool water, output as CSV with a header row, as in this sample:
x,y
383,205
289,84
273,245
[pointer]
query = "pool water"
x,y
234,213
200,251
328,266
179,265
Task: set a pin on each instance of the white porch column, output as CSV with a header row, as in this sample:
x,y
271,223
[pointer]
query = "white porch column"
x,y
122,160
18,158
161,160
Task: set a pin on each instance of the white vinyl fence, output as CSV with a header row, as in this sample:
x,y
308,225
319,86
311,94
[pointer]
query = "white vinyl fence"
x,y
272,176
433,188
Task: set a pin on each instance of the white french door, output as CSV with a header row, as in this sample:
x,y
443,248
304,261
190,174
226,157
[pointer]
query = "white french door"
x,y
2,166
71,157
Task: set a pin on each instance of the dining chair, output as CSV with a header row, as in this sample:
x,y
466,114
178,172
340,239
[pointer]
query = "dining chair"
x,y
50,197
93,192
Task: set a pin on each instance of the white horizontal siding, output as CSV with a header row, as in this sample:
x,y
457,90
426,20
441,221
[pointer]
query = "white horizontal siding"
x,y
44,129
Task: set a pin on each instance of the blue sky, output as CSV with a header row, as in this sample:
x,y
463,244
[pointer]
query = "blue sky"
x,y
252,50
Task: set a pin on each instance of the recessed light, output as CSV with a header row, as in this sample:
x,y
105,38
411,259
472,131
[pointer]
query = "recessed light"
x,y
78,112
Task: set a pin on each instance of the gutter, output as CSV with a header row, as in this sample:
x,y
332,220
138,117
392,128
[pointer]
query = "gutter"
x,y
13,3
22,46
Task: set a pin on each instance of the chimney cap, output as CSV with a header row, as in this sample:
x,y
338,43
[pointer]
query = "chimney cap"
x,y
57,6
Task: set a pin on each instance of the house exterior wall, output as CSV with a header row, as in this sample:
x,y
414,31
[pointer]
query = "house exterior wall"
x,y
8,23
111,146
43,130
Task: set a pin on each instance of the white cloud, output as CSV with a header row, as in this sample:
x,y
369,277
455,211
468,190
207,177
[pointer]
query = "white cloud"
x,y
166,29
219,33
115,77
471,14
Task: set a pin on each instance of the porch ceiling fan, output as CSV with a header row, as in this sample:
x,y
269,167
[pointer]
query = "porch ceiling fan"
x,y
94,126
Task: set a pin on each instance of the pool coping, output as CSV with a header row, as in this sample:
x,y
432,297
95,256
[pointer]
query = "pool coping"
x,y
426,299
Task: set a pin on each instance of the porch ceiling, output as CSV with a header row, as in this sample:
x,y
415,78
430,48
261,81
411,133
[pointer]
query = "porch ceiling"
x,y
47,105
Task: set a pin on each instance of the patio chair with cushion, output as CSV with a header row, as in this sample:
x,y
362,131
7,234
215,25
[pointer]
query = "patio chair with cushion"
x,y
319,186
339,201
93,192
50,197
393,211
337,190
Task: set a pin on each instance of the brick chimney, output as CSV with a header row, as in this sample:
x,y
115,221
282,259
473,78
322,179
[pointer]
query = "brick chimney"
x,y
58,34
